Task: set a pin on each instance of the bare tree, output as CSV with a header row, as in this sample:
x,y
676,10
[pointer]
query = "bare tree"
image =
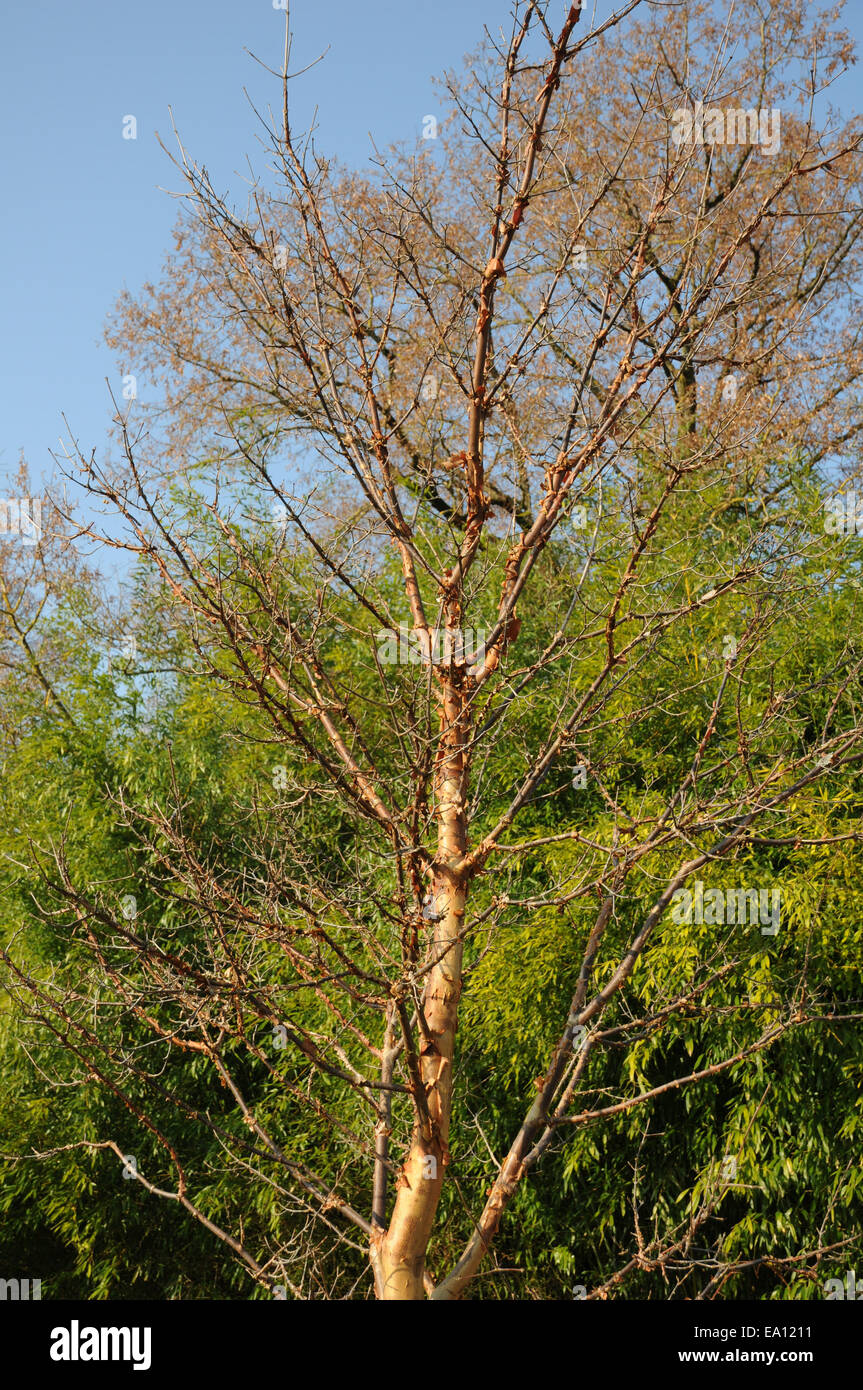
x,y
506,446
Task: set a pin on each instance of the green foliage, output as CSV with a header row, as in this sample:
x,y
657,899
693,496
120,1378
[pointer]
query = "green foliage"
x,y
790,1117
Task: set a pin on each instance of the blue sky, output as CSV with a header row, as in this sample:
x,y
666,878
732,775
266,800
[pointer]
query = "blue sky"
x,y
84,214
84,211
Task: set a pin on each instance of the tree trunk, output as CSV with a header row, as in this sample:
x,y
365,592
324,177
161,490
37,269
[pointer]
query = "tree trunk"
x,y
398,1257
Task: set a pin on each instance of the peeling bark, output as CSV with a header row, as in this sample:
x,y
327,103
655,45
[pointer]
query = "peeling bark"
x,y
398,1258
